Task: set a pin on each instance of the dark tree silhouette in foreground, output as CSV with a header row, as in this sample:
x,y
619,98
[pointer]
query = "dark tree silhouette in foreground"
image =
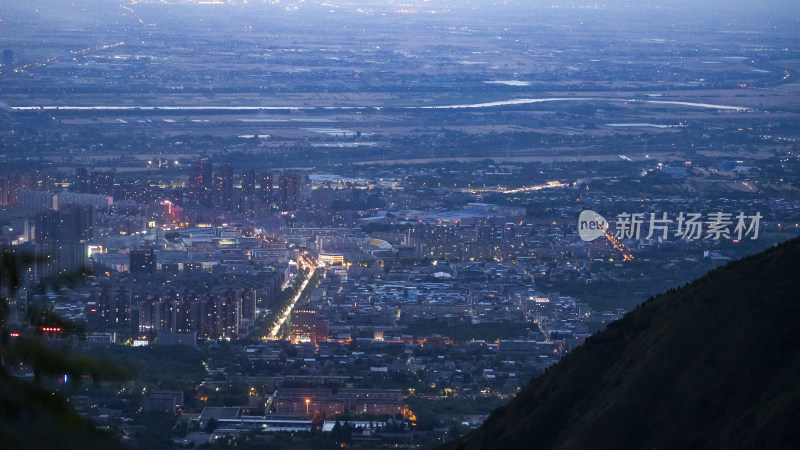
x,y
34,408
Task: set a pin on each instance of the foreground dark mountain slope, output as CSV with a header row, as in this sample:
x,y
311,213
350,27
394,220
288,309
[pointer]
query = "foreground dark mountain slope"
x,y
714,364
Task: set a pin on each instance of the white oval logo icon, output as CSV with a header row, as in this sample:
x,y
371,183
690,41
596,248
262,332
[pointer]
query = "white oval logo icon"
x,y
591,225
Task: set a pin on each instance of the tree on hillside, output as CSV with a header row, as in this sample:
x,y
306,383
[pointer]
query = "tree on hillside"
x,y
36,377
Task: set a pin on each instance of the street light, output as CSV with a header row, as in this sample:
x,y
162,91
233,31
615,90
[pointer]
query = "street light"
x,y
307,402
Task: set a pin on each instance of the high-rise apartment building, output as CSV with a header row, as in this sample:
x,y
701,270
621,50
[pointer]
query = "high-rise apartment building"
x,y
289,186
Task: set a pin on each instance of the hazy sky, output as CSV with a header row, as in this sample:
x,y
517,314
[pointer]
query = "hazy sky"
x,y
778,6
750,14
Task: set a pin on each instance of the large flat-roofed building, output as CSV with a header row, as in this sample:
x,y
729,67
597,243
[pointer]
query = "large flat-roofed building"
x,y
324,403
231,418
162,400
